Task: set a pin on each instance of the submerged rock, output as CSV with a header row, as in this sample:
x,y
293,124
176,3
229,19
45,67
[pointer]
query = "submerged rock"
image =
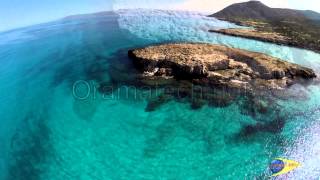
x,y
197,103
274,126
218,66
157,102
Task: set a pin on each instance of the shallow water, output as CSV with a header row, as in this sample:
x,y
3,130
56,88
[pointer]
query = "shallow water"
x,y
47,132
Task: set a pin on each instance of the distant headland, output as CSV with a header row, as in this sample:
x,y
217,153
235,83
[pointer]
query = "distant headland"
x,y
298,28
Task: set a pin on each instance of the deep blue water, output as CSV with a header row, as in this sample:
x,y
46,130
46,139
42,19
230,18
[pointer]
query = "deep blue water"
x,y
48,133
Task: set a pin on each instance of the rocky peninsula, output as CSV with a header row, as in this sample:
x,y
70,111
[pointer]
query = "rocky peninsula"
x,y
218,66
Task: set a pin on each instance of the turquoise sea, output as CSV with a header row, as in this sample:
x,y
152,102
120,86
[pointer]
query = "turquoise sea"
x,y
48,132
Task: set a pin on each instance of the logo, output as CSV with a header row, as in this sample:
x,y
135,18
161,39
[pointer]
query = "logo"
x,y
281,166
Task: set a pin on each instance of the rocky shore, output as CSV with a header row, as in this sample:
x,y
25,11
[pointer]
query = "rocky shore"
x,y
256,35
218,66
218,76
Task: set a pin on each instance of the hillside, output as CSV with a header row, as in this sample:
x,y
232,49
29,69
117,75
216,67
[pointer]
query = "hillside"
x,y
301,26
312,15
258,11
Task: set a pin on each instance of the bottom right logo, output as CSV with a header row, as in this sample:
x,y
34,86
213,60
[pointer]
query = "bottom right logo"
x,y
280,166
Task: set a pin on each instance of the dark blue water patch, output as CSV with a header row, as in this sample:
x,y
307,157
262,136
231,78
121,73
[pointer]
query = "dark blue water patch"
x,y
272,131
157,102
30,148
193,129
68,73
4,54
98,71
165,133
122,70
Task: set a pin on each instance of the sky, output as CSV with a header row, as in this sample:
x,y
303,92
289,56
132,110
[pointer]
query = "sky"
x,y
207,6
19,13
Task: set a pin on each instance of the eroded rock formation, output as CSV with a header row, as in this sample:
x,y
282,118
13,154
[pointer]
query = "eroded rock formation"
x,y
218,66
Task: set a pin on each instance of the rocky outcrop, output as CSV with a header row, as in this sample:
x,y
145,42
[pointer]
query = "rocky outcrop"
x,y
217,66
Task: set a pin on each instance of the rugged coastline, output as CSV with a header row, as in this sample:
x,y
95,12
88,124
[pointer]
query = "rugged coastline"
x,y
216,65
217,76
